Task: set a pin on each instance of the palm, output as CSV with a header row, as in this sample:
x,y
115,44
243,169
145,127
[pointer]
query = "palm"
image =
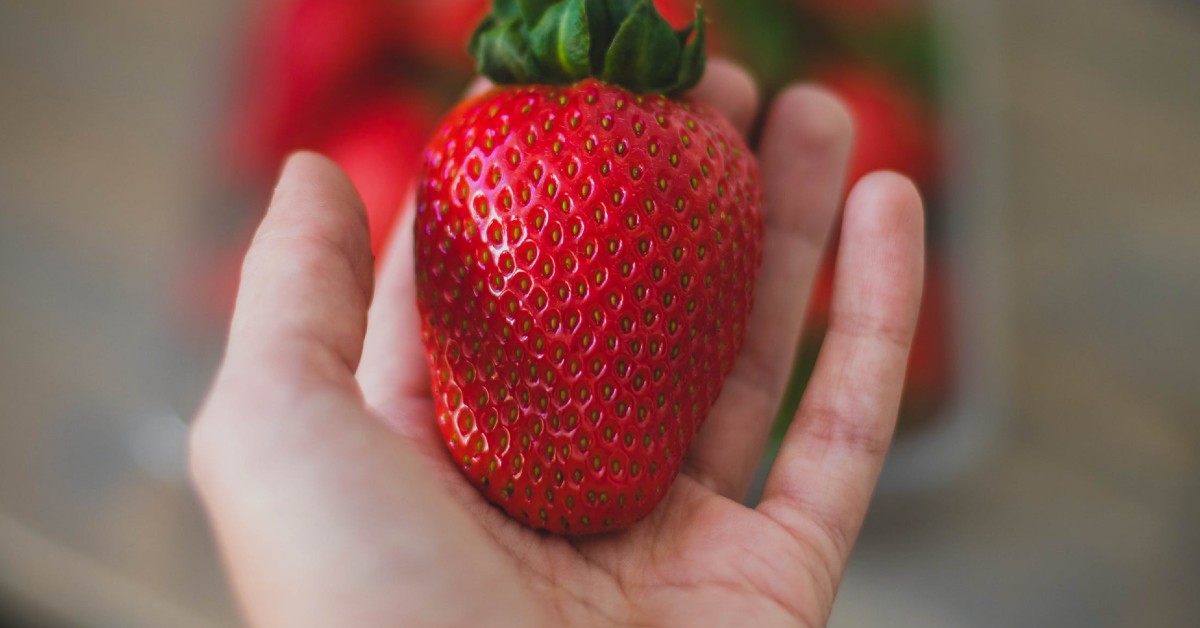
x,y
327,517
699,556
701,560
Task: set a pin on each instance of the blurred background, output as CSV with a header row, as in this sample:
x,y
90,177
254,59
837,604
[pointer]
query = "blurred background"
x,y
1047,467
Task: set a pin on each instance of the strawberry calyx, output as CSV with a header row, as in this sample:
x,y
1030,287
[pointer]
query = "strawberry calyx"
x,y
559,42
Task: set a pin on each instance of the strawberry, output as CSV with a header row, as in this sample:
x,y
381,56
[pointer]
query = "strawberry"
x,y
434,29
586,251
892,129
300,55
378,142
680,13
677,13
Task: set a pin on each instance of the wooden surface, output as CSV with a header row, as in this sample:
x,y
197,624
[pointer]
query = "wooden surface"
x,y
1082,513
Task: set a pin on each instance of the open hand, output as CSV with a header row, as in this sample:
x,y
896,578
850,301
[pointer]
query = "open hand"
x,y
318,457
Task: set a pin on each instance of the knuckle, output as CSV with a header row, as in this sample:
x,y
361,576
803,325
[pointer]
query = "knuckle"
x,y
863,326
848,430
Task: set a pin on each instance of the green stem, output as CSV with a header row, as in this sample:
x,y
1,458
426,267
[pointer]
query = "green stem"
x,y
558,42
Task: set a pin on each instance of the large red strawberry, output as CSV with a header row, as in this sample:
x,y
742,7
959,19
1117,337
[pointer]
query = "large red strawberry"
x,y
586,246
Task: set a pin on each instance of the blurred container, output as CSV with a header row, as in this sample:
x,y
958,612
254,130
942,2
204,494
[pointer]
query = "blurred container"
x,y
971,242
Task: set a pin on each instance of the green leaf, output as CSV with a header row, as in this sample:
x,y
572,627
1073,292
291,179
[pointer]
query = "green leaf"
x,y
624,42
692,59
644,53
476,41
502,54
561,41
684,33
505,9
532,10
602,28
620,9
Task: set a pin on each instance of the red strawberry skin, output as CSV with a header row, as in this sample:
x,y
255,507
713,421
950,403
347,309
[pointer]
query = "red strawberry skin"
x,y
586,260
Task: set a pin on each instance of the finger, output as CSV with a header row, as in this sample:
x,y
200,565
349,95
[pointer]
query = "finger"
x,y
804,153
306,281
299,483
831,456
477,87
393,366
393,373
730,90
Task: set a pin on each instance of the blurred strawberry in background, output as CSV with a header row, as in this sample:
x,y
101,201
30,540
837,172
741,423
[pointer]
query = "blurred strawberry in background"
x,y
362,81
435,30
892,131
680,13
297,57
881,58
378,143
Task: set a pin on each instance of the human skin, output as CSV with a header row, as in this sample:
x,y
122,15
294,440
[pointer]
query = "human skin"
x,y
335,503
